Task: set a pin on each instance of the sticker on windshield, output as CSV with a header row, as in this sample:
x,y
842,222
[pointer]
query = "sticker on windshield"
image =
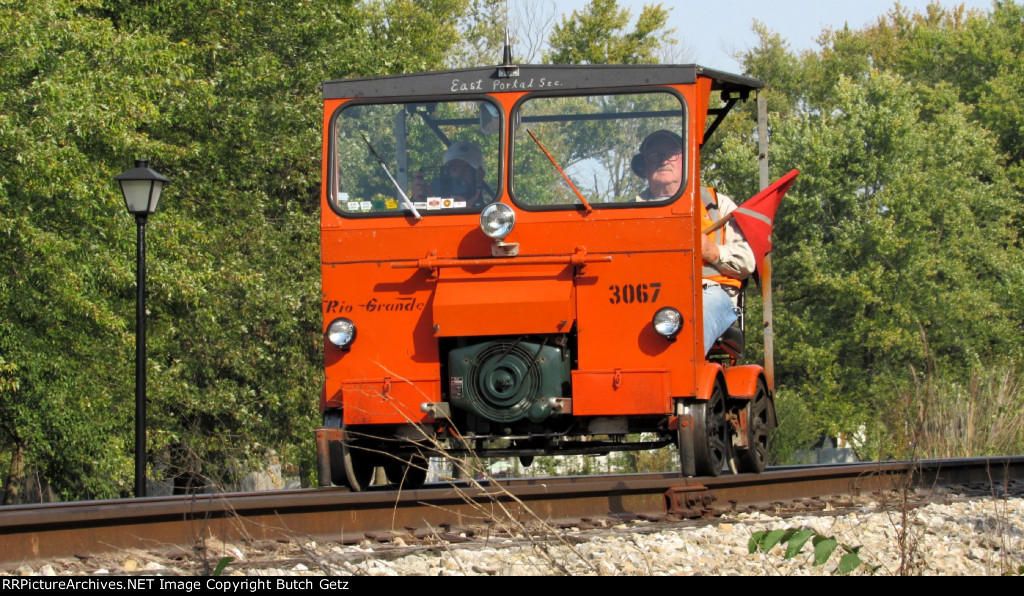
x,y
435,203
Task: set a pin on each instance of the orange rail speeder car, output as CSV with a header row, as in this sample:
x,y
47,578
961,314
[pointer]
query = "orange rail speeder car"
x,y
496,280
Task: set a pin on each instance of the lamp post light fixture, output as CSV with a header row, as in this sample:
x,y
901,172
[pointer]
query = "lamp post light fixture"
x,y
141,188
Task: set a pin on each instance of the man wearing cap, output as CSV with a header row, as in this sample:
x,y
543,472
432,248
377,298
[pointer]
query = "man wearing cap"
x,y
464,165
728,259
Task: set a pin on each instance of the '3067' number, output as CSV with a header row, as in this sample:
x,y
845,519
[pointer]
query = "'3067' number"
x,y
634,293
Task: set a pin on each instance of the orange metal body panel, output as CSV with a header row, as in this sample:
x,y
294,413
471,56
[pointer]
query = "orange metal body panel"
x,y
706,377
621,392
385,401
503,300
742,380
623,368
395,344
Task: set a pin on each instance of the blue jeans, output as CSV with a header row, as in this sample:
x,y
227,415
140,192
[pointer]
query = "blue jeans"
x,y
719,313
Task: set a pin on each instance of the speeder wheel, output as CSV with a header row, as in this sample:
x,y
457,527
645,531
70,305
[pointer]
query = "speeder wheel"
x,y
711,434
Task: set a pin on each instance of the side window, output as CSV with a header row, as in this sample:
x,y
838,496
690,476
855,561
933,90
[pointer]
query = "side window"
x,y
440,157
595,140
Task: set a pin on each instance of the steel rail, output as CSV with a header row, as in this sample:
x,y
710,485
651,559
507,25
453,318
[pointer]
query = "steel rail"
x,y
30,533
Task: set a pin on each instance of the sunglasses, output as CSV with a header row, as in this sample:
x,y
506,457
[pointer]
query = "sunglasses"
x,y
653,157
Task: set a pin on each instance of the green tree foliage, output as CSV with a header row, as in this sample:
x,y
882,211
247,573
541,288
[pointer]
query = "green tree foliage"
x,y
977,54
599,35
483,33
899,246
69,114
221,96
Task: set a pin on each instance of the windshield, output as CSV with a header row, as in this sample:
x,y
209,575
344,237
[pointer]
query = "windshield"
x,y
421,158
596,141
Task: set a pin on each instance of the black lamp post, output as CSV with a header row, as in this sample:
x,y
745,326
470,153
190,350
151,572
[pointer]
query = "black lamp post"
x,y
141,188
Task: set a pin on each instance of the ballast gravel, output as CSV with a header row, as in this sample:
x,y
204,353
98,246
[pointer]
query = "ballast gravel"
x,y
981,536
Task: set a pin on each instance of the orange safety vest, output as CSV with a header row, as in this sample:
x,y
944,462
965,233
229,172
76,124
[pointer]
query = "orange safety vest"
x,y
718,237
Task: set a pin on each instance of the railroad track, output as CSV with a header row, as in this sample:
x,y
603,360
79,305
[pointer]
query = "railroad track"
x,y
38,532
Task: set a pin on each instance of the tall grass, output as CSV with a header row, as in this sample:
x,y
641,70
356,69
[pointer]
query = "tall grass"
x,y
979,417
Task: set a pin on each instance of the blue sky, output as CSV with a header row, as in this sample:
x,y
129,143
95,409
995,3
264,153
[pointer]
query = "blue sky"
x,y
713,31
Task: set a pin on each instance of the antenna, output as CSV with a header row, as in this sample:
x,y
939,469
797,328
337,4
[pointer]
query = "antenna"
x,y
507,56
507,69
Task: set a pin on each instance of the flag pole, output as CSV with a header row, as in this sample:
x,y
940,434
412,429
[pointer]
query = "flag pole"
x,y
721,222
766,270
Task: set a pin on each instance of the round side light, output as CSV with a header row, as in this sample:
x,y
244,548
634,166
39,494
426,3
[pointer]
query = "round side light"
x,y
341,333
667,322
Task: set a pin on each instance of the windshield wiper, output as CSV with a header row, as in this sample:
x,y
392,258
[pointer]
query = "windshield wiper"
x,y
392,178
583,200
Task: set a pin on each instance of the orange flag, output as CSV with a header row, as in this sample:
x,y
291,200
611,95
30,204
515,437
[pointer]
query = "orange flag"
x,y
756,216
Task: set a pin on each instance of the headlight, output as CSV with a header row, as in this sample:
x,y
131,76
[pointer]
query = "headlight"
x,y
667,322
497,220
341,332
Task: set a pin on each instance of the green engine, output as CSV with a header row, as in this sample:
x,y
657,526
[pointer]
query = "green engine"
x,y
508,380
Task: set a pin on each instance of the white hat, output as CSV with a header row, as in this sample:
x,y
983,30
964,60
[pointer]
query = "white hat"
x,y
467,152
